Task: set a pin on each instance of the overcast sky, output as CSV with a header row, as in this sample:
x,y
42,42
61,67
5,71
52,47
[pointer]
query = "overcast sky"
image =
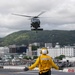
x,y
59,15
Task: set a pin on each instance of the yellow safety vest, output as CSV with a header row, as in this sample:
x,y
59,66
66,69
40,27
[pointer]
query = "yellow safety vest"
x,y
45,63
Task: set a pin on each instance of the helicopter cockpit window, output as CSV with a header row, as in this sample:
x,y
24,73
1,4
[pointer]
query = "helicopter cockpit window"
x,y
35,20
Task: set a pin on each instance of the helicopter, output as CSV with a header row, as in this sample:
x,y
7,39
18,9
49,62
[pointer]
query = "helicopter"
x,y
35,22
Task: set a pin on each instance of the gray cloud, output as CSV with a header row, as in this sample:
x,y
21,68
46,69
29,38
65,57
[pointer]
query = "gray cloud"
x,y
60,14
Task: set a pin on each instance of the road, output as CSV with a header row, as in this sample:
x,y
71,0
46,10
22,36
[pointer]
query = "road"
x,y
33,72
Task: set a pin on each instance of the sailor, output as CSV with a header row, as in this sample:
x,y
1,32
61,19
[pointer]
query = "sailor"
x,y
44,63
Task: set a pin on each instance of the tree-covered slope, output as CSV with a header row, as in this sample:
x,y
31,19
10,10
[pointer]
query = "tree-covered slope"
x,y
26,37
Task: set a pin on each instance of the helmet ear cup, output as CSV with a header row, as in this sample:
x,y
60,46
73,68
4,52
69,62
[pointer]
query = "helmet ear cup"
x,y
47,52
41,52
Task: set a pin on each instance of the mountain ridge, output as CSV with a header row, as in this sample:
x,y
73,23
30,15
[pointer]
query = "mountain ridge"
x,y
64,37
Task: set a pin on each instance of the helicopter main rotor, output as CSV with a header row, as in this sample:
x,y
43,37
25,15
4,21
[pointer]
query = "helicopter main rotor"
x,y
30,16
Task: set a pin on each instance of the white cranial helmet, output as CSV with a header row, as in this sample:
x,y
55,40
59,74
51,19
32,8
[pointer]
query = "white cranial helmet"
x,y
44,51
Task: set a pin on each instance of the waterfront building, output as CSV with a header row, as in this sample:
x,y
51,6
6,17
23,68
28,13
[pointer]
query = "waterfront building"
x,y
3,51
17,49
12,48
48,45
29,50
36,44
68,51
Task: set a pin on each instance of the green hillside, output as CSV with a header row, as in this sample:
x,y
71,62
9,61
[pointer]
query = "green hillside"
x,y
26,37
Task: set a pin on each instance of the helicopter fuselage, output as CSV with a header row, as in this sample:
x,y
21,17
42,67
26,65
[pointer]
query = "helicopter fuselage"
x,y
35,23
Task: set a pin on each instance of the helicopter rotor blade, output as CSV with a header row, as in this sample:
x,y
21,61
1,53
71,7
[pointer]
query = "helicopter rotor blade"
x,y
21,15
41,13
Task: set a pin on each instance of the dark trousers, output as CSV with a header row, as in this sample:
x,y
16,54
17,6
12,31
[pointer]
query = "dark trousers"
x,y
46,73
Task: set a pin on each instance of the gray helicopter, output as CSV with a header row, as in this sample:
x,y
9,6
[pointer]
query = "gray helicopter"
x,y
35,22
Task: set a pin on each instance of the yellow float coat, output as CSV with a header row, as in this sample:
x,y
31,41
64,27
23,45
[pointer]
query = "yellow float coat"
x,y
45,63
